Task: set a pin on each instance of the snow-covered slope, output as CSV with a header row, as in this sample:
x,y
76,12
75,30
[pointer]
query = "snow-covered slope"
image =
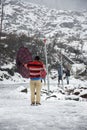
x,y
16,113
67,27
65,30
30,18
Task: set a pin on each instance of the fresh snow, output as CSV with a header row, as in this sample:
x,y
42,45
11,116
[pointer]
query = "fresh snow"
x,y
16,113
56,111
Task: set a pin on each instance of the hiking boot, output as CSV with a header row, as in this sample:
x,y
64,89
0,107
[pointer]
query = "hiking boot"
x,y
38,103
32,104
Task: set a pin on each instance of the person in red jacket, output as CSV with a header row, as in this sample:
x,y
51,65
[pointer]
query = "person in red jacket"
x,y
35,68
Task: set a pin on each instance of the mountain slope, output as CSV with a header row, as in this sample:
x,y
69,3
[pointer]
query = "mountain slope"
x,y
66,26
65,31
19,16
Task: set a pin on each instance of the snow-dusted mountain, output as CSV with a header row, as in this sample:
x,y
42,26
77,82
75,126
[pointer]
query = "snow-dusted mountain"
x,y
67,26
30,18
65,30
74,5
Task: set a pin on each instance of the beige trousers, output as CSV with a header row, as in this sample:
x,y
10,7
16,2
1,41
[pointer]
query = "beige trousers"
x,y
35,87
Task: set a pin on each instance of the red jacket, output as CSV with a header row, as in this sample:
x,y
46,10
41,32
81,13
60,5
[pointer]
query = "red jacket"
x,y
35,68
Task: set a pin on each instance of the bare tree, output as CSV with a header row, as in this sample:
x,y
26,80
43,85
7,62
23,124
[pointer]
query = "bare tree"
x,y
1,3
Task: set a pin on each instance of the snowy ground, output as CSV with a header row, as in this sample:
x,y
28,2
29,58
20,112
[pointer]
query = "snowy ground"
x,y
16,113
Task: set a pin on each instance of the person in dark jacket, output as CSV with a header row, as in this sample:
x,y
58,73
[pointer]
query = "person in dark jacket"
x,y
60,74
67,75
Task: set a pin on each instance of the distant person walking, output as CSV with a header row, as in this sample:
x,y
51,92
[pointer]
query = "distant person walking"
x,y
35,68
60,74
67,74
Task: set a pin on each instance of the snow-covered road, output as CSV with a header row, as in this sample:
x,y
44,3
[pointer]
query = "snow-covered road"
x,y
16,113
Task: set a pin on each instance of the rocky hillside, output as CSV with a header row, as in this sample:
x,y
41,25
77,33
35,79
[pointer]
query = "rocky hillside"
x,y
66,33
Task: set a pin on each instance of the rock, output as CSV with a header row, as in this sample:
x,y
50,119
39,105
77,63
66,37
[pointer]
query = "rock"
x,y
84,95
24,90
